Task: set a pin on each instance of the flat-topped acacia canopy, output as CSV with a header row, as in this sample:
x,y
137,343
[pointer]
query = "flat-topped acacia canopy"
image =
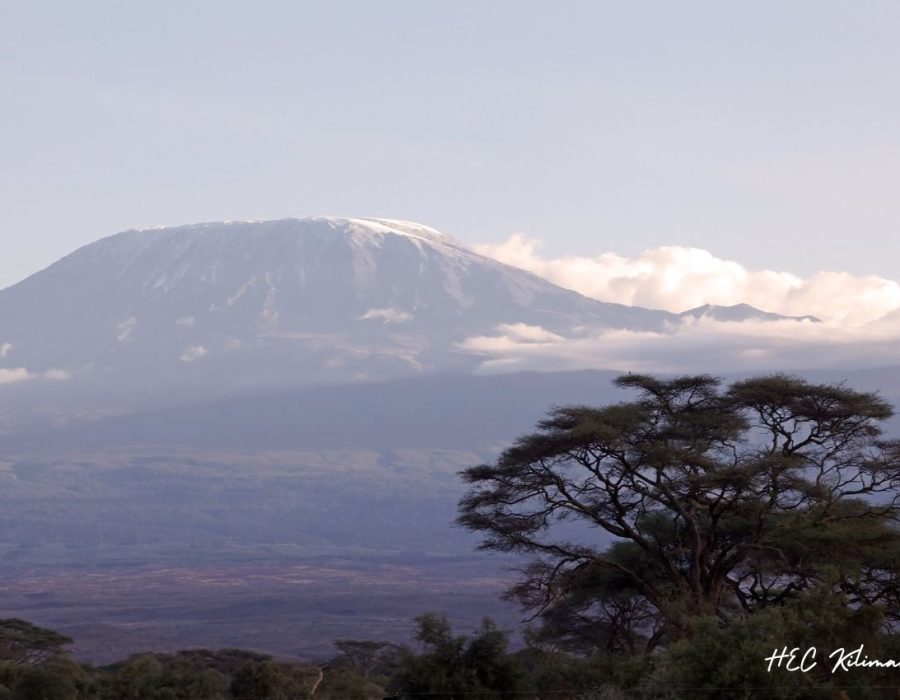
x,y
720,501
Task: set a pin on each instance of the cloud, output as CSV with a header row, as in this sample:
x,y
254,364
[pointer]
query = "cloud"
x,y
5,349
126,327
678,278
523,333
186,321
21,374
9,376
195,352
386,315
695,345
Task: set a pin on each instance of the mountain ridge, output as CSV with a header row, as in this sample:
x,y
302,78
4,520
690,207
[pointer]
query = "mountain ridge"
x,y
739,313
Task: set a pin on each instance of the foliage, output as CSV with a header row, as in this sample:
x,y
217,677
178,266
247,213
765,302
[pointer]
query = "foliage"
x,y
340,682
57,678
370,659
726,661
453,665
22,642
259,679
711,502
713,661
157,677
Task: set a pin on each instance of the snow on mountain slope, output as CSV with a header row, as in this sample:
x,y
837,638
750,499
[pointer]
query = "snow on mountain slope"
x,y
244,304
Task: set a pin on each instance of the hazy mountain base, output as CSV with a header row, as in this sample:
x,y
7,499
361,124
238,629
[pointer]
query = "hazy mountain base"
x,y
130,551
127,530
354,500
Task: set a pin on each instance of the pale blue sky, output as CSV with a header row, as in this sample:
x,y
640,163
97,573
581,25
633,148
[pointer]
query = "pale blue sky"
x,y
767,132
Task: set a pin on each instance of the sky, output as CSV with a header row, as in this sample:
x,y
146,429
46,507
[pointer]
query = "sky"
x,y
765,133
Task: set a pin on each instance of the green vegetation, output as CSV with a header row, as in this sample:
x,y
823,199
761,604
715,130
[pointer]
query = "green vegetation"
x,y
447,666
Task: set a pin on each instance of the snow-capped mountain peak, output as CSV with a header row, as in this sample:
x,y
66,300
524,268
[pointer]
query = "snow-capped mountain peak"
x,y
249,304
285,301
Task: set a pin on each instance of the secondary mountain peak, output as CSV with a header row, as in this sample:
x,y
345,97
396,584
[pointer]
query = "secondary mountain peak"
x,y
740,313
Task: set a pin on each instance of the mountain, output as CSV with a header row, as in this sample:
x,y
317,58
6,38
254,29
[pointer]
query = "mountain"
x,y
219,307
740,313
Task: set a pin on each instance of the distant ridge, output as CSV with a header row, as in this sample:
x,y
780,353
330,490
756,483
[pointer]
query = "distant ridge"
x,y
740,312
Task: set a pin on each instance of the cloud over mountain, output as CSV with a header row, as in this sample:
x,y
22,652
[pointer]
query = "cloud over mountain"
x,y
224,308
677,278
694,345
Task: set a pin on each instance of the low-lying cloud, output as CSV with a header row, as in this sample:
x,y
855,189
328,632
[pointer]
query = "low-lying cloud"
x,y
677,278
126,328
22,374
9,376
386,315
694,345
525,333
194,353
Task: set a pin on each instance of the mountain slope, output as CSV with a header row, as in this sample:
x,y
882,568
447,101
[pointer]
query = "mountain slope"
x,y
235,305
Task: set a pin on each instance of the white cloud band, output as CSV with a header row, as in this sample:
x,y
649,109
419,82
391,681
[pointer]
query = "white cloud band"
x,y
695,345
678,278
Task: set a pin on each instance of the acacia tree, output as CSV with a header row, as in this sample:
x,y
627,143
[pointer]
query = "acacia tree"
x,y
370,658
22,642
694,500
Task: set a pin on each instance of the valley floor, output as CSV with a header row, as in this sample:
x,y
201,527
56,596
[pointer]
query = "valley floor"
x,y
287,607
